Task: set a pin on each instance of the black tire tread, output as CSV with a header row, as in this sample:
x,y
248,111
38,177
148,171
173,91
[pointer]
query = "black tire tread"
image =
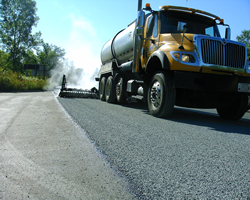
x,y
168,98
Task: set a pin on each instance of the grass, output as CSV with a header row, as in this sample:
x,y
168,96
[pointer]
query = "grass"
x,y
14,81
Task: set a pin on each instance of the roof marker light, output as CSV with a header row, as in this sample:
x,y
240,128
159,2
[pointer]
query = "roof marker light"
x,y
148,7
221,21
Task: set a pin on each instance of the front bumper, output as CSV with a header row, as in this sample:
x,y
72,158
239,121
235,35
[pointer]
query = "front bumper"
x,y
210,82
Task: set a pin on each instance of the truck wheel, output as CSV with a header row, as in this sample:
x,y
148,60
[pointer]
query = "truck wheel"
x,y
161,95
236,110
110,90
102,84
121,90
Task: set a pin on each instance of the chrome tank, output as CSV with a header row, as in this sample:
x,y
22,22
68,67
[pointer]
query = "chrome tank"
x,y
120,47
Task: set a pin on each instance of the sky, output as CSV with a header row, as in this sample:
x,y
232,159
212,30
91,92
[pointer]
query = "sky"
x,y
82,27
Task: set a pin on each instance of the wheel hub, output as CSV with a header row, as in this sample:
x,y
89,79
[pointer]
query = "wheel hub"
x,y
118,89
108,88
156,94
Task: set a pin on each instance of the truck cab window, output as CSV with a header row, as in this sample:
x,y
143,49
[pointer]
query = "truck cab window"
x,y
209,31
155,32
150,26
196,25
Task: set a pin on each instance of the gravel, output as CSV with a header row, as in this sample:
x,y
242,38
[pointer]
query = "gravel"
x,y
44,155
192,155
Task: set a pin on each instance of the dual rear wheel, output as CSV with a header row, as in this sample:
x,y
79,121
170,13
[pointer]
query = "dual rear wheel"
x,y
160,97
102,85
112,91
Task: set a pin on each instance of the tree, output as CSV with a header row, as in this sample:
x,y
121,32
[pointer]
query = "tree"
x,y
4,57
50,55
17,19
30,58
245,38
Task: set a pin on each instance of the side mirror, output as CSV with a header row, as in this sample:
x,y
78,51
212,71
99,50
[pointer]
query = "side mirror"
x,y
140,19
140,23
228,33
181,26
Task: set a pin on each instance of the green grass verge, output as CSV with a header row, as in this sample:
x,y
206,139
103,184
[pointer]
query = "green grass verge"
x,y
13,81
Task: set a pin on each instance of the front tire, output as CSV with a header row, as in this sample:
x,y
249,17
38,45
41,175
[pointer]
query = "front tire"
x,y
161,95
236,110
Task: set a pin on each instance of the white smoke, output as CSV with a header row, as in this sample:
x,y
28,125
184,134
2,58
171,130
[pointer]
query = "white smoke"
x,y
83,60
84,50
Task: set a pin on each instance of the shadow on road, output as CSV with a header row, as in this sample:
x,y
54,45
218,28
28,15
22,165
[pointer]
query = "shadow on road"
x,y
200,118
212,120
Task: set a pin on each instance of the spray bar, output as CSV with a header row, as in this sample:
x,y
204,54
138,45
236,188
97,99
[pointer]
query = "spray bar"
x,y
77,93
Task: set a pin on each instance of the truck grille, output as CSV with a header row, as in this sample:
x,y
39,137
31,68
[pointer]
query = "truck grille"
x,y
230,55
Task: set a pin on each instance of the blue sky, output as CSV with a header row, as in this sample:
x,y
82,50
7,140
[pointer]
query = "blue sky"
x,y
82,27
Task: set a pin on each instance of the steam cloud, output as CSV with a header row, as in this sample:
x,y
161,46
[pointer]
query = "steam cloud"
x,y
76,77
83,49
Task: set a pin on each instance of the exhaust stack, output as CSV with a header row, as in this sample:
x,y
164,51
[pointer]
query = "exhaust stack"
x,y
139,5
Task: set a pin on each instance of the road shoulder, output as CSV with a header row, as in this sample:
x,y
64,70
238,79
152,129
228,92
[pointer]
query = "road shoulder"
x,y
44,155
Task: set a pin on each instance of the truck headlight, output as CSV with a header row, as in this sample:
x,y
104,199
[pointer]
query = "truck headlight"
x,y
184,57
189,58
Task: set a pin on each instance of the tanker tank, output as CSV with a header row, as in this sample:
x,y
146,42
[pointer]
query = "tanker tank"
x,y
120,47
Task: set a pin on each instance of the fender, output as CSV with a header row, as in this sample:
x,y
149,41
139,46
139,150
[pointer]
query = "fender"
x,y
161,57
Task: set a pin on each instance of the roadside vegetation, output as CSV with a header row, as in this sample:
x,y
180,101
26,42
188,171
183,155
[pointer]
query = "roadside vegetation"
x,y
245,38
15,81
19,46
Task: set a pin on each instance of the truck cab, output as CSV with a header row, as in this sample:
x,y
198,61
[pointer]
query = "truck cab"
x,y
201,45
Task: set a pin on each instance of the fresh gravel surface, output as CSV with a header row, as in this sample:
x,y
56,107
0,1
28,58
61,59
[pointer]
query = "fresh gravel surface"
x,y
192,155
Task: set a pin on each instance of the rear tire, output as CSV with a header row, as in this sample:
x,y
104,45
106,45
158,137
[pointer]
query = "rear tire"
x,y
110,92
236,110
121,90
102,85
161,95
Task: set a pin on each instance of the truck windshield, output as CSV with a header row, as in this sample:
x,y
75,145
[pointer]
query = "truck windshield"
x,y
195,24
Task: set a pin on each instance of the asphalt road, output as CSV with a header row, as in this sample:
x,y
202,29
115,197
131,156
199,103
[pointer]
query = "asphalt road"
x,y
192,155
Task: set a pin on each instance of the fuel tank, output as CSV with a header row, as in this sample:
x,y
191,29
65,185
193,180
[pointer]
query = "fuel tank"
x,y
120,47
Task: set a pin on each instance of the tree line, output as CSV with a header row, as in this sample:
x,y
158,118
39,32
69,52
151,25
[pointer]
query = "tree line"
x,y
245,38
18,45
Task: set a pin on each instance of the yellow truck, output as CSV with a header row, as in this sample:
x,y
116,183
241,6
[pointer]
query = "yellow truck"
x,y
176,56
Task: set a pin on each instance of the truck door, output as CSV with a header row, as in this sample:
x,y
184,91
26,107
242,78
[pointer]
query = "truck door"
x,y
152,37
